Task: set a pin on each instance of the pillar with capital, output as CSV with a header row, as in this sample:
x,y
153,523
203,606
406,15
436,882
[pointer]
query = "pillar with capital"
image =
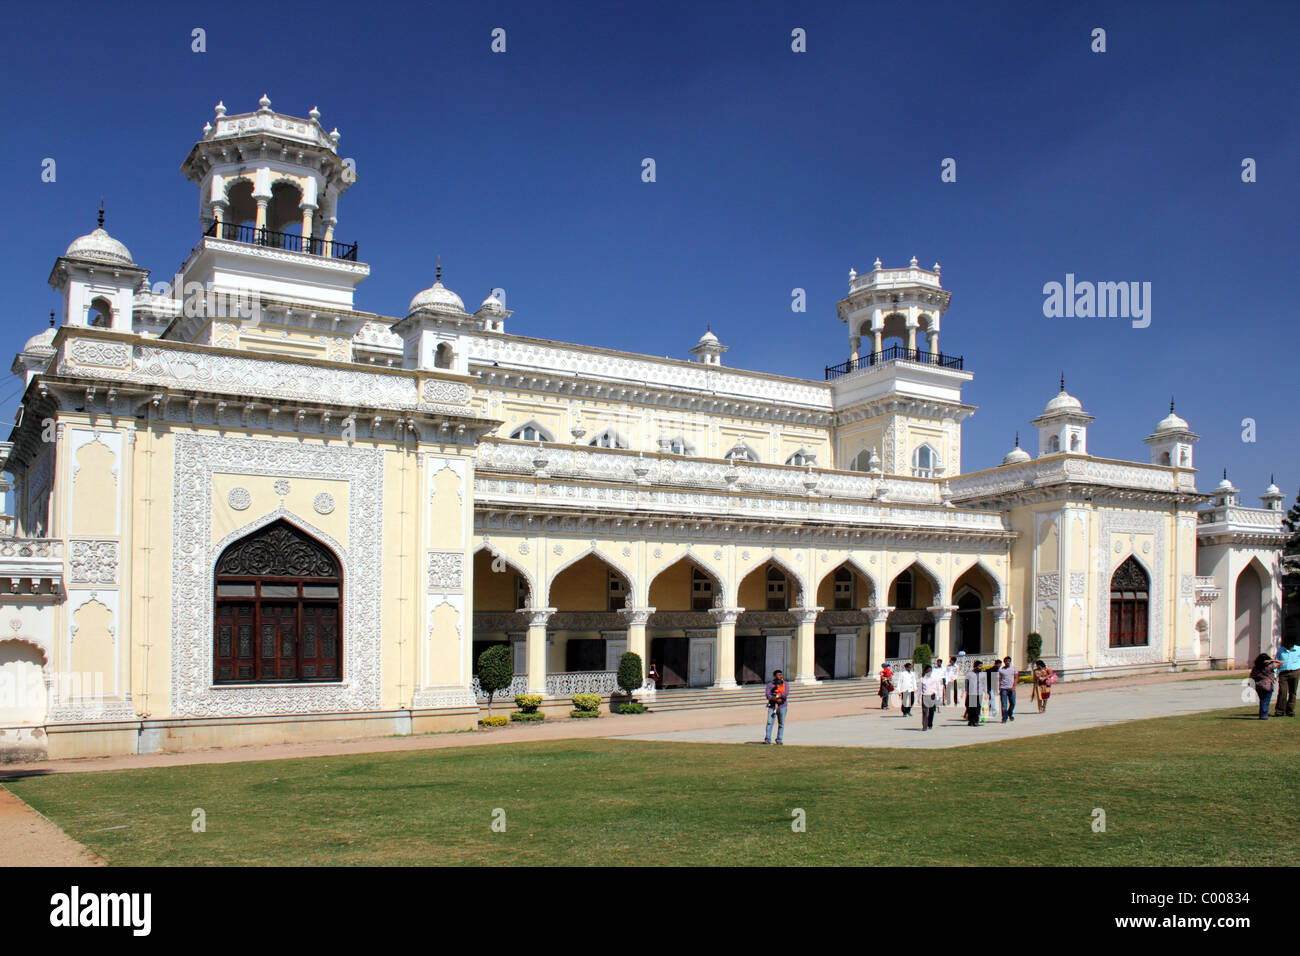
x,y
876,645
724,672
805,662
1002,631
536,648
942,614
636,619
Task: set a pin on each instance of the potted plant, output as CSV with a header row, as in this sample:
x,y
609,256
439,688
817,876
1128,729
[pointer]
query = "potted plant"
x,y
630,679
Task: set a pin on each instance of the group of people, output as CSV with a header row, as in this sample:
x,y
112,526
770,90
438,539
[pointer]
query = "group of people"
x,y
941,685
1277,674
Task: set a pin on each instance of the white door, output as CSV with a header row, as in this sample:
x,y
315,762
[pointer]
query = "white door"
x,y
778,657
614,651
843,655
906,644
701,663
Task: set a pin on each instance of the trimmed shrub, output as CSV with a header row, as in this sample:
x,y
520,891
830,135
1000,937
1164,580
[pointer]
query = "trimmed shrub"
x,y
526,716
630,674
921,657
498,721
496,670
587,702
528,703
584,713
636,707
1034,646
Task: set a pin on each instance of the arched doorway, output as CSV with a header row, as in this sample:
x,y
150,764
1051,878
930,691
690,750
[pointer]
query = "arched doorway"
x,y
683,634
969,635
587,595
277,609
1130,589
1248,624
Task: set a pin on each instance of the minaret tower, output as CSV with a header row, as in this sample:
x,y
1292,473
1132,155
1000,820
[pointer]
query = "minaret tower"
x,y
269,190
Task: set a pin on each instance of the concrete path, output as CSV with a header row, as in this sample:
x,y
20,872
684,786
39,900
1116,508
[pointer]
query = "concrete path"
x,y
1096,707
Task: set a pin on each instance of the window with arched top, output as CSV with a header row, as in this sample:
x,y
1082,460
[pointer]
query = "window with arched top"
x,y
778,590
444,357
608,439
1054,444
100,314
1185,458
1074,441
701,590
676,445
531,432
1129,591
277,610
801,458
844,588
1164,458
924,462
861,461
742,452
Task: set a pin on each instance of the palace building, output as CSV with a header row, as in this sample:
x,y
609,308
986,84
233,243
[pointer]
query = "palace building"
x,y
244,510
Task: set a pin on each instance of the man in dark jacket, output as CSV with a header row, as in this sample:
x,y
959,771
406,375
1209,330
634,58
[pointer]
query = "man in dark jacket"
x,y
976,688
778,692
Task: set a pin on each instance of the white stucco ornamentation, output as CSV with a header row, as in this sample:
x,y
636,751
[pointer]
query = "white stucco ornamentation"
x,y
446,570
1134,523
93,562
194,556
239,499
323,503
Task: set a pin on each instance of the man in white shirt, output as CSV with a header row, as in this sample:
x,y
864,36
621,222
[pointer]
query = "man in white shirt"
x,y
931,692
941,674
907,689
950,681
976,688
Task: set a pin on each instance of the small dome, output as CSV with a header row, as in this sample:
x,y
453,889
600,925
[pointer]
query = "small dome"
x,y
41,343
1225,485
1171,423
1272,491
100,247
1015,456
437,298
491,306
708,338
1064,401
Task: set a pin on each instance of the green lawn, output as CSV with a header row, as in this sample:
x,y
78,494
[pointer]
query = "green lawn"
x,y
1179,791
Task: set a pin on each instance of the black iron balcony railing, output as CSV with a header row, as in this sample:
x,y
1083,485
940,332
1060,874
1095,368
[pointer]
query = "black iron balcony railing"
x,y
247,232
893,354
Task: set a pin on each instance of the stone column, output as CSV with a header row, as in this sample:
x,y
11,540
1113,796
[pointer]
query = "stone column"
x,y
262,202
330,222
876,646
307,210
1001,629
942,614
911,333
536,648
636,619
219,217
934,344
855,342
724,670
805,668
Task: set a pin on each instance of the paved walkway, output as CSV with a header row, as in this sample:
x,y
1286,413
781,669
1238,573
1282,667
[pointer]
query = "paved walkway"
x,y
1096,707
1067,711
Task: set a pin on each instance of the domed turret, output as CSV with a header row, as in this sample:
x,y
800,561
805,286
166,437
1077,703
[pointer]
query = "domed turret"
x,y
99,246
1017,454
1063,426
437,299
1171,442
1272,496
708,350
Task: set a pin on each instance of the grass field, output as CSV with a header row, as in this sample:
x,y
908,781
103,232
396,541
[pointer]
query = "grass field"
x,y
1179,791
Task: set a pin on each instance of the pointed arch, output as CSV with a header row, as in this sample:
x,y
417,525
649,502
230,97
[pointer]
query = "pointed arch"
x,y
532,430
937,588
996,591
608,438
634,592
742,451
862,571
800,583
695,596
529,580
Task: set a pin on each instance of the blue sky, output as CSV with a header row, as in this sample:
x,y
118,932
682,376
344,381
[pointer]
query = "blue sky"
x,y
775,170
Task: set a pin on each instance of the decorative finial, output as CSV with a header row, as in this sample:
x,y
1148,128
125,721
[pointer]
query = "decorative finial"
x,y
51,318
877,263
314,113
1225,474
264,102
853,274
1171,404
1017,439
437,275
101,212
1062,381
221,109
913,262
937,268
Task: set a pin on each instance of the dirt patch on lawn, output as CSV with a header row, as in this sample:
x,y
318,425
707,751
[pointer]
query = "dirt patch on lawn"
x,y
29,839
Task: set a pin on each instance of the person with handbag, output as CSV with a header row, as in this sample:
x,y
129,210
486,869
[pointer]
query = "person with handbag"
x,y
1288,674
886,686
1044,678
1264,679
